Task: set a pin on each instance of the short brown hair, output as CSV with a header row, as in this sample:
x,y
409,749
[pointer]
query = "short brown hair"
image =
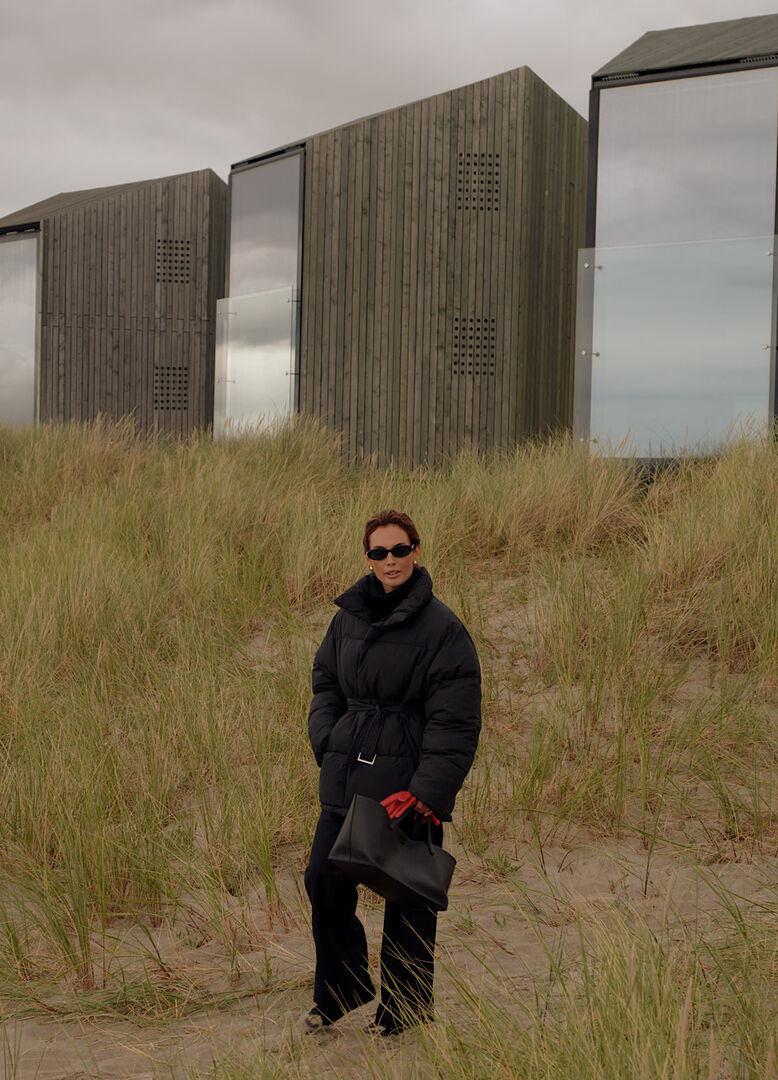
x,y
391,517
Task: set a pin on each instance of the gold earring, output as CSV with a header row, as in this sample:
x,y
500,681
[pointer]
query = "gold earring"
x,y
371,568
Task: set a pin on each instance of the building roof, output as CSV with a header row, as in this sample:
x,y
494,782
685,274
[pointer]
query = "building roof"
x,y
692,46
299,143
70,200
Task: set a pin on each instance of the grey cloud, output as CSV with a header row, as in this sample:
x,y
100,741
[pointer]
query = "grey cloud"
x,y
93,92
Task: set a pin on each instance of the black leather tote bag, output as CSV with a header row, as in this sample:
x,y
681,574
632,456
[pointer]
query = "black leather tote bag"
x,y
371,848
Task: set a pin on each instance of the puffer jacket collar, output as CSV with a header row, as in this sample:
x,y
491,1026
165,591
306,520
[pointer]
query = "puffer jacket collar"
x,y
355,600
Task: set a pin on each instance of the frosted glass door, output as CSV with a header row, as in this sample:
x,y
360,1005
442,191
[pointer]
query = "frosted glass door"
x,y
18,288
255,375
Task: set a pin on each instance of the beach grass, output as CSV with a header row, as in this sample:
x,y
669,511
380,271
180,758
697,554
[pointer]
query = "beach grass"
x,y
160,603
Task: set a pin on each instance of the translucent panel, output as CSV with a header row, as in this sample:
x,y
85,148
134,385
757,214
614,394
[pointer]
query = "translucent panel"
x,y
265,226
687,159
676,356
255,369
256,380
18,290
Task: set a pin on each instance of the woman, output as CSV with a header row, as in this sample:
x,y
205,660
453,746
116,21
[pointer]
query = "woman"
x,y
396,714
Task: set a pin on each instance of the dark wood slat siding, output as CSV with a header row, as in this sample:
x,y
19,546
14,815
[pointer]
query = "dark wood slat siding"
x,y
375,432
314,255
345,261
98,362
507,125
48,323
464,270
553,200
396,265
429,286
198,199
473,298
408,212
112,343
359,290
520,262
417,360
433,247
310,387
77,405
447,143
389,413
63,403
44,373
452,309
366,275
352,164
483,434
137,256
530,256
106,320
372,253
478,254
385,285
332,281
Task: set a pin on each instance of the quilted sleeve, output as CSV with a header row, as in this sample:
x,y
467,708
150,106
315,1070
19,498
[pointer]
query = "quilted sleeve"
x,y
453,721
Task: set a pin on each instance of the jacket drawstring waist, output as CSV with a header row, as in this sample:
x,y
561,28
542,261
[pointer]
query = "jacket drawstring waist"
x,y
369,731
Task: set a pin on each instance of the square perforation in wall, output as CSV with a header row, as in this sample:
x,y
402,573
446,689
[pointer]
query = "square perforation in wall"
x,y
474,343
171,387
174,262
478,181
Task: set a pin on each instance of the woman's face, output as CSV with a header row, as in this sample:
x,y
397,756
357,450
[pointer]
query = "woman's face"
x,y
392,571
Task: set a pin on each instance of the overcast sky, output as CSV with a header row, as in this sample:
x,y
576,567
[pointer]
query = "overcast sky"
x,y
96,92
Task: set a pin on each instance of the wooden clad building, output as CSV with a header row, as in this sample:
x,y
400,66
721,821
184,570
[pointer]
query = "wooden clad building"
x,y
430,270
127,280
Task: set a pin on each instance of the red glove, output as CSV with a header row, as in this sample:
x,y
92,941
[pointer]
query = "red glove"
x,y
397,804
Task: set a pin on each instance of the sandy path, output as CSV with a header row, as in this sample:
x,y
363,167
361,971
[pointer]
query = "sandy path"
x,y
502,928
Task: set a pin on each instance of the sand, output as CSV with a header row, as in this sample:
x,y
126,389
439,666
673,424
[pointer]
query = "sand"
x,y
503,927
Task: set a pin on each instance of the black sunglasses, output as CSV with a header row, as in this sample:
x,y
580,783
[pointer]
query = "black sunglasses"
x,y
399,551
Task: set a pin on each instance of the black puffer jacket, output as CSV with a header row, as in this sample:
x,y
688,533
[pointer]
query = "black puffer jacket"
x,y
396,699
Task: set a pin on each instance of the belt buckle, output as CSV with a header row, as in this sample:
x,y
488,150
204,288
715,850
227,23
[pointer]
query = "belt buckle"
x,y
364,760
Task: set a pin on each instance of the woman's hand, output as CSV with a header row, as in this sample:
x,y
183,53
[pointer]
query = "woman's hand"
x,y
427,812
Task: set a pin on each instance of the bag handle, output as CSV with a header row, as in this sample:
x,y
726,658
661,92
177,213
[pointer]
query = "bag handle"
x,y
393,822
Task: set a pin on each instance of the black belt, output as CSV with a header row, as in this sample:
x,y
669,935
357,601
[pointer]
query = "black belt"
x,y
370,731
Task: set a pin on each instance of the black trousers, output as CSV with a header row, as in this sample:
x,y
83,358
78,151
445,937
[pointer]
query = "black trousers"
x,y
342,980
